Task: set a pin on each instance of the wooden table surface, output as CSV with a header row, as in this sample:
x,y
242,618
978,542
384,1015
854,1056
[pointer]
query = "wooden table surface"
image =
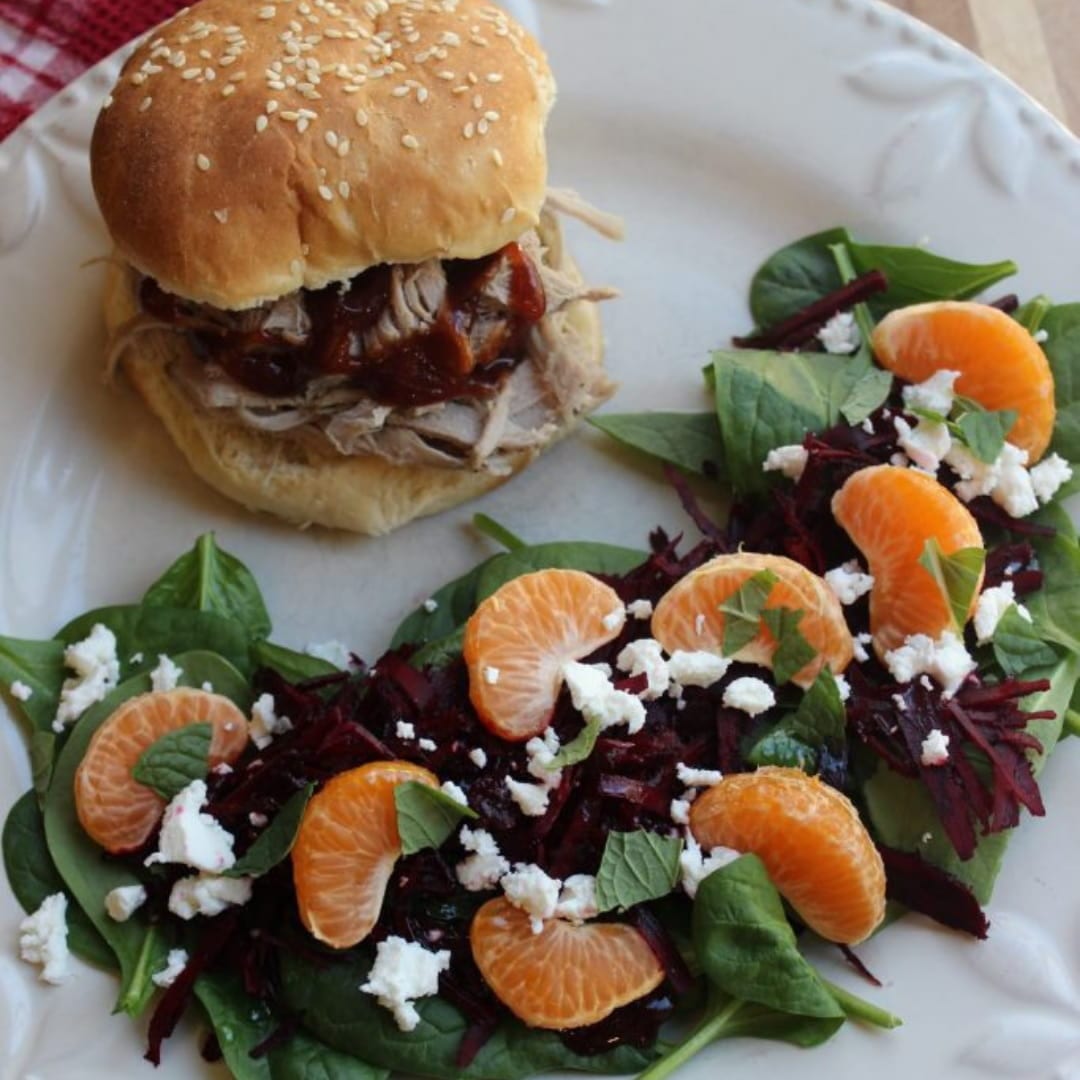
x,y
1035,42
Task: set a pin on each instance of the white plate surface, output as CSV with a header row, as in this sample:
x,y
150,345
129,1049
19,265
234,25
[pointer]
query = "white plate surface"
x,y
720,129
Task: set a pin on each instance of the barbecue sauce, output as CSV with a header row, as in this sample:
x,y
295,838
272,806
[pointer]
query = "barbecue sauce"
x,y
424,368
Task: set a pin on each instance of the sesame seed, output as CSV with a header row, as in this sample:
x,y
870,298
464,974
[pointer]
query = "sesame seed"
x,y
206,54
508,215
202,161
469,130
343,147
240,76
225,61
308,113
477,101
447,76
491,115
400,91
302,125
410,142
361,118
261,123
343,188
267,12
290,116
421,94
138,78
276,84
326,193
209,74
222,215
496,156
331,139
228,90
472,78
482,127
191,73
145,104
495,77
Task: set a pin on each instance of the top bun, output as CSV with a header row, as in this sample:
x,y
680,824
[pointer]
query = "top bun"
x,y
249,150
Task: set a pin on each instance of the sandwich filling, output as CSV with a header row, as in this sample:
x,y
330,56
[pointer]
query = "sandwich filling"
x,y
456,363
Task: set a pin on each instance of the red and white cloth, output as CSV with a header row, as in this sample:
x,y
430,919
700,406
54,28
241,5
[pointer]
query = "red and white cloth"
x,y
44,44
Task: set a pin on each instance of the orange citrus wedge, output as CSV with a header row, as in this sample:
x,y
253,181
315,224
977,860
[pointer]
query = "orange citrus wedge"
x,y
114,809
810,838
346,848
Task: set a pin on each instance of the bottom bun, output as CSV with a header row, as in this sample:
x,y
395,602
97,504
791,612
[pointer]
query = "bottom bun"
x,y
288,476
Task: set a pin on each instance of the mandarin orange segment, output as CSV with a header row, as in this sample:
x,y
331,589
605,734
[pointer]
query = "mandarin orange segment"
x,y
890,513
1001,365
519,638
565,976
816,849
688,616
346,848
114,809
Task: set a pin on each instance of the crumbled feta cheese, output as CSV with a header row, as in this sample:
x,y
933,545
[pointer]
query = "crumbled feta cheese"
x,y
858,647
976,477
899,701
532,799
491,675
926,682
541,750
868,426
1041,336
208,687
840,334
946,660
680,811
849,581
222,769
404,971
191,837
529,888
926,838
645,657
992,605
900,460
752,696
614,619
123,901
428,744
166,676
431,605
478,756
208,894
97,671
265,722
20,691
935,748
1014,491
696,668
257,820
485,867
333,652
1049,475
640,609
43,939
689,777
935,394
843,686
455,793
404,730
136,659
577,899
174,965
694,868
790,461
926,444
594,697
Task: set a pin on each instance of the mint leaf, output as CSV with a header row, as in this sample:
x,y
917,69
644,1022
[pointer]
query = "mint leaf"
x,y
175,760
689,440
781,746
426,816
983,431
957,576
1018,645
793,651
636,866
578,748
821,716
867,395
276,840
742,611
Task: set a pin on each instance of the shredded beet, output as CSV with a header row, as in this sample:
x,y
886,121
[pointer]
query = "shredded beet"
x,y
923,887
856,962
665,950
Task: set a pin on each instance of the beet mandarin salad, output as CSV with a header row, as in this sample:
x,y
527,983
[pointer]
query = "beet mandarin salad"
x,y
590,789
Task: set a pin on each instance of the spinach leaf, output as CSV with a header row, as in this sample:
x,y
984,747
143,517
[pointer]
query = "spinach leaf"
x,y
957,576
747,946
781,746
426,816
794,277
1018,645
209,579
40,665
288,663
175,760
139,947
42,755
742,611
579,747
1056,606
795,740
439,653
275,841
983,431
594,558
793,651
33,876
489,527
690,441
1062,348
1030,315
305,1058
635,867
453,604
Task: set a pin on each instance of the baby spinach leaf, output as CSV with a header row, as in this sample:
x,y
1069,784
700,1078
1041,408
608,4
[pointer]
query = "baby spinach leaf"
x,y
957,576
1018,645
864,321
39,665
439,653
578,748
426,816
795,740
594,558
42,755
1031,314
276,840
983,431
794,277
742,611
1056,606
868,394
453,604
306,1058
209,579
1062,348
793,651
635,867
175,760
780,746
290,664
747,946
489,527
857,1008
33,876
690,441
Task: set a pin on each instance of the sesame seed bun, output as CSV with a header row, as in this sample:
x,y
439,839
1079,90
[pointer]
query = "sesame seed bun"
x,y
250,150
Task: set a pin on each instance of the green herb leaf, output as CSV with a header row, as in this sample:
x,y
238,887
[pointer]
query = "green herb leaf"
x,y
794,277
579,747
635,867
290,664
499,533
39,665
867,395
572,555
742,611
453,604
982,431
209,579
426,816
42,754
780,746
793,651
179,757
957,576
1062,347
276,840
690,441
821,716
1031,315
1018,645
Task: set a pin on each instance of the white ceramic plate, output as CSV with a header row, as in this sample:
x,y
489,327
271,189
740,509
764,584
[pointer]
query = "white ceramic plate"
x,y
720,129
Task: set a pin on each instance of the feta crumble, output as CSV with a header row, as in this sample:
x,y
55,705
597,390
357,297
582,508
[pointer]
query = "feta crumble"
x,y
428,744
174,965
577,899
849,581
689,777
491,675
595,698
926,444
20,691
333,652
265,722
43,939
455,793
166,676
680,811
1014,490
257,820
532,799
431,605
843,686
696,668
478,756
404,971
945,660
1048,476
191,837
123,901
992,605
485,867
404,730
614,619
935,394
694,867
750,695
1040,337
533,891
840,334
790,461
645,657
935,748
208,895
97,671
858,647
640,609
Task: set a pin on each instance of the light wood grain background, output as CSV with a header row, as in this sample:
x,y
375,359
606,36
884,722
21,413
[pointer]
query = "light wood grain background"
x,y
1035,42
